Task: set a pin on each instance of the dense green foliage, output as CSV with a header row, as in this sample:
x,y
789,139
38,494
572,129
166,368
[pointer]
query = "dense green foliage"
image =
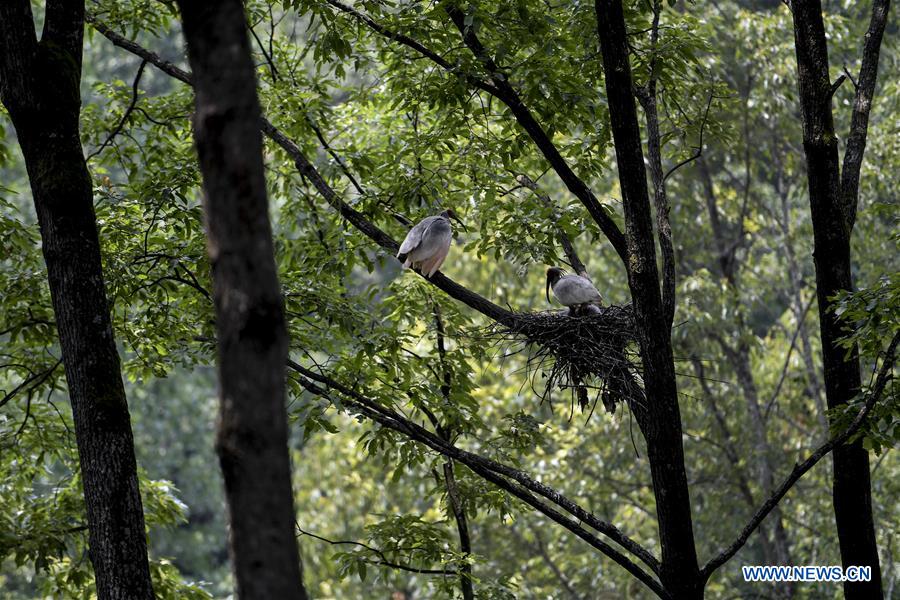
x,y
396,135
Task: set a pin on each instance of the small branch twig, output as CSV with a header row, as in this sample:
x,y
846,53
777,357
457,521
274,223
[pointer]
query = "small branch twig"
x,y
699,152
32,382
128,111
272,69
564,241
384,561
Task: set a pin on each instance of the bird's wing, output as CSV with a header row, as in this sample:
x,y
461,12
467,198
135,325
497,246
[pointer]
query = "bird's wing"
x,y
573,289
436,238
414,237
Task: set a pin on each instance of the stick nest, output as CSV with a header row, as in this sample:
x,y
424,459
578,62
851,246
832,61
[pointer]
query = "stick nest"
x,y
589,354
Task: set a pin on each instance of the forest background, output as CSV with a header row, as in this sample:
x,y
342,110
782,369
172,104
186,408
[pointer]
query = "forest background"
x,y
396,135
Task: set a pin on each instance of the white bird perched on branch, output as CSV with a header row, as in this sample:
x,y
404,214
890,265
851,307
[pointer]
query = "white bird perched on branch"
x,y
427,243
574,291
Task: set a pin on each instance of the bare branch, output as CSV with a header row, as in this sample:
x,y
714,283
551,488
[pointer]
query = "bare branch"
x,y
699,151
273,71
341,164
32,382
787,358
837,84
165,66
128,111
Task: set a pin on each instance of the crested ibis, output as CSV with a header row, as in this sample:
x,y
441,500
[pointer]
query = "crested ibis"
x,y
427,243
574,291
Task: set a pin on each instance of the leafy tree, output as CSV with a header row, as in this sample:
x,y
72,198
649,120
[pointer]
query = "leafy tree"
x,y
400,389
40,89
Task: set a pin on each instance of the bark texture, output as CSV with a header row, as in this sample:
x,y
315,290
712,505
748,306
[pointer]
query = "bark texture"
x,y
660,419
252,439
39,85
833,208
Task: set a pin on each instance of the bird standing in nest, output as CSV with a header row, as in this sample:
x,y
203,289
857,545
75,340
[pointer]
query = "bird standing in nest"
x,y
574,291
427,243
580,296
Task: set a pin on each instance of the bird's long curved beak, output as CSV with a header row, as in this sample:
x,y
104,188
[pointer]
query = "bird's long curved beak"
x,y
461,224
547,290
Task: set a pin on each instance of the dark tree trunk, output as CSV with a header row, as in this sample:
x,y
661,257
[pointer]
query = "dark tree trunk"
x,y
660,419
832,226
40,89
252,339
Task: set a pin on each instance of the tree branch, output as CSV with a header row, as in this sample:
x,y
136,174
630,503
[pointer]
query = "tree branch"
x,y
648,99
128,111
862,104
495,472
453,498
357,219
407,41
384,561
32,382
801,469
18,44
509,96
699,151
500,88
64,26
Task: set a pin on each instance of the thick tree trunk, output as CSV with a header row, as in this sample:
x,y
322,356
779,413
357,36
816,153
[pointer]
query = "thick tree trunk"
x,y
253,435
40,88
660,419
831,236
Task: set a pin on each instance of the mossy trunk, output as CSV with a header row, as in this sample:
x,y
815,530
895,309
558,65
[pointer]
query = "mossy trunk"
x,y
832,226
660,418
40,89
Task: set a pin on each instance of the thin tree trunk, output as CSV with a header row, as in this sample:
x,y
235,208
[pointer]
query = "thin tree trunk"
x,y
466,584
40,88
660,419
462,526
252,440
832,225
766,470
